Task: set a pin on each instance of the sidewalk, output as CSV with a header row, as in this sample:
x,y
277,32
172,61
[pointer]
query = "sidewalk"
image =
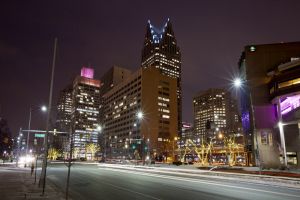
x,y
17,183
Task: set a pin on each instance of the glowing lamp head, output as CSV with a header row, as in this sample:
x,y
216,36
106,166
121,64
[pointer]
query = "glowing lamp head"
x,y
44,108
140,115
99,128
220,136
280,124
237,82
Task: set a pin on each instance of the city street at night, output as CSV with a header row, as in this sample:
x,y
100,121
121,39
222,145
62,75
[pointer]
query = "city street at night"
x,y
90,181
138,100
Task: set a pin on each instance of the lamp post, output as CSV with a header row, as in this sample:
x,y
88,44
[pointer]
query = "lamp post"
x,y
44,167
100,130
19,140
174,140
140,117
238,83
43,109
69,164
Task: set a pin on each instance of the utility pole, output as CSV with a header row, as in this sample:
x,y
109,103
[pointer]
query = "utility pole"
x,y
44,168
29,123
71,139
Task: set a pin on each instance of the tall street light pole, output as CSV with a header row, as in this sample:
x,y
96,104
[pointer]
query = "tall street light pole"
x,y
100,130
140,116
238,83
44,169
71,139
19,142
44,109
29,123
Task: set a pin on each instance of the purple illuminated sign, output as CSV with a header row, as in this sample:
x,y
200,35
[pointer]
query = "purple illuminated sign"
x,y
246,121
87,72
289,103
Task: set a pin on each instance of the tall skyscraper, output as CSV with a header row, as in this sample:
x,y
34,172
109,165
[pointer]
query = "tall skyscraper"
x,y
215,111
128,133
160,50
111,78
63,119
64,109
85,109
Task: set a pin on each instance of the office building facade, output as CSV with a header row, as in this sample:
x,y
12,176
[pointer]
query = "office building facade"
x,y
85,110
160,50
129,135
266,72
64,109
63,119
215,112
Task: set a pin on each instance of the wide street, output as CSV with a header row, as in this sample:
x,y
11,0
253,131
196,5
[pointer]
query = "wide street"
x,y
100,182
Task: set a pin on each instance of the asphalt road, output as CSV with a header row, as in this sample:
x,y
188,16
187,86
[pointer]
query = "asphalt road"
x,y
93,182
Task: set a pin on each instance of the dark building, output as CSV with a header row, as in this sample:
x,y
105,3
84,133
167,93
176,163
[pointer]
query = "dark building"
x,y
160,50
64,109
5,139
266,85
111,78
63,119
284,90
215,111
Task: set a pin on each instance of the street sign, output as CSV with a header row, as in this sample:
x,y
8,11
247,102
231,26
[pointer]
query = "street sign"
x,y
39,135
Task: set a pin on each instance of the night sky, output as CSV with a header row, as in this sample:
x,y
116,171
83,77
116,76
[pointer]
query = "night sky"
x,y
211,35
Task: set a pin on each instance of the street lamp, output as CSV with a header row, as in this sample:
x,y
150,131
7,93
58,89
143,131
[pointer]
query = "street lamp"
x,y
175,140
18,142
220,136
100,129
43,109
140,115
44,166
238,84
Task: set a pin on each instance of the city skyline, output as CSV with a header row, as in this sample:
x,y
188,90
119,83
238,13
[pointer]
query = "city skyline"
x,y
150,99
97,37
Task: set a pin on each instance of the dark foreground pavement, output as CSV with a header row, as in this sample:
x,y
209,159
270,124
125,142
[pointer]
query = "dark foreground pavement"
x,y
17,183
94,182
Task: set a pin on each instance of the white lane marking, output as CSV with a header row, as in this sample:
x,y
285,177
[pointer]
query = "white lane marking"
x,y
201,181
241,180
128,190
194,170
132,191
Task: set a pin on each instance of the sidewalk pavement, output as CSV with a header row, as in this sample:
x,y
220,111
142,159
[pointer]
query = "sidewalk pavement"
x,y
17,183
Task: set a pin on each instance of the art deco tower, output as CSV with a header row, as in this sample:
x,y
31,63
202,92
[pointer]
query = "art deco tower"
x,y
161,51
